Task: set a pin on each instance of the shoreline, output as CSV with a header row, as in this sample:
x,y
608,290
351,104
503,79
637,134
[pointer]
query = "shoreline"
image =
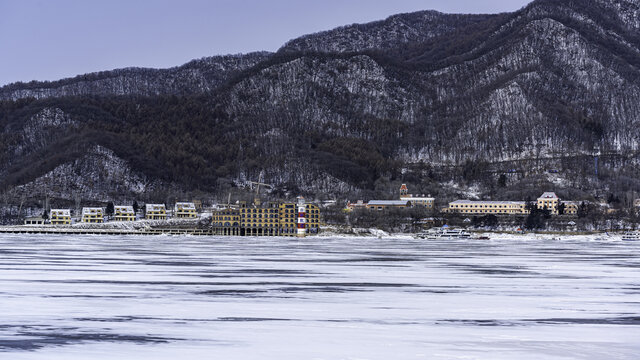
x,y
327,231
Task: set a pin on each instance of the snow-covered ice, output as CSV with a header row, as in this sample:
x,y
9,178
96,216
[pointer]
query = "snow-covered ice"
x,y
165,297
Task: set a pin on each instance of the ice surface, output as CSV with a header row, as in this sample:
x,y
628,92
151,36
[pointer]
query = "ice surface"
x,y
137,297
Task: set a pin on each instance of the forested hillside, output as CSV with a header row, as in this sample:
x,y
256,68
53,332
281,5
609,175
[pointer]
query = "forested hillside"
x,y
489,105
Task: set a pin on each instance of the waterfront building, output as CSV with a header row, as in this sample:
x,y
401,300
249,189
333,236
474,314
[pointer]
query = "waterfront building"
x,y
268,219
483,207
124,213
60,217
260,220
155,212
92,215
549,200
185,210
313,219
287,219
35,220
226,221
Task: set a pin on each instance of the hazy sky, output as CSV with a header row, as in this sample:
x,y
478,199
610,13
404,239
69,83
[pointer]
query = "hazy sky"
x,y
49,40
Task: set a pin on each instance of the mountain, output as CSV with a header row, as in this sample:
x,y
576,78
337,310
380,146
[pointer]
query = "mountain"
x,y
386,34
195,77
447,103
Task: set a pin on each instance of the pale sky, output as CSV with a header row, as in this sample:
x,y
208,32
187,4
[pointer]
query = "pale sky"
x,y
50,40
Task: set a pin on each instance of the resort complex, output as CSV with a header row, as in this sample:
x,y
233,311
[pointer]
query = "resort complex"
x,y
275,218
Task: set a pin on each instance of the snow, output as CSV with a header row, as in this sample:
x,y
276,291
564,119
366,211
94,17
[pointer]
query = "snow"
x,y
531,297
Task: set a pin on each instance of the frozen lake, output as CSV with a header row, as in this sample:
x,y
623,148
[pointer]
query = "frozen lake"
x,y
99,297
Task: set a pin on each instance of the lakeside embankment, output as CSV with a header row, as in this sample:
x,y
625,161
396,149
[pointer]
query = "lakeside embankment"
x,y
190,227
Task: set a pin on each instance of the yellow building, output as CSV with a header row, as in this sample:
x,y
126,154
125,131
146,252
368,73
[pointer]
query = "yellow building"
x,y
260,221
288,219
313,219
571,207
270,219
155,212
92,215
185,210
469,207
60,217
424,201
549,200
226,221
124,213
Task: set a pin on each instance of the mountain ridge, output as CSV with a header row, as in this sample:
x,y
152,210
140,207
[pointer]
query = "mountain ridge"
x,y
553,85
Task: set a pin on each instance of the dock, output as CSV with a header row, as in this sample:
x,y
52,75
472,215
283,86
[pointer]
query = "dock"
x,y
79,231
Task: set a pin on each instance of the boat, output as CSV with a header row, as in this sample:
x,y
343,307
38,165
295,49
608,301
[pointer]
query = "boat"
x,y
631,236
444,232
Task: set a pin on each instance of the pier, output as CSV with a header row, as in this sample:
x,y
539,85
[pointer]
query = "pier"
x,y
78,231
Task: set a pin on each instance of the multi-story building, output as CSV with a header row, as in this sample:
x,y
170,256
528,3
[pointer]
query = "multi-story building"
x,y
469,207
60,217
92,215
155,212
416,200
185,210
288,219
226,221
550,201
124,213
260,220
269,219
313,219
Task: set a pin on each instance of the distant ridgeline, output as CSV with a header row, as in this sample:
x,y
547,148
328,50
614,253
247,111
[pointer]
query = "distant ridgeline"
x,y
443,102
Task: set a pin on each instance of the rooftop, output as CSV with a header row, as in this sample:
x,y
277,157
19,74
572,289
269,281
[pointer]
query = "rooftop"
x,y
388,202
462,202
91,210
548,195
185,205
409,198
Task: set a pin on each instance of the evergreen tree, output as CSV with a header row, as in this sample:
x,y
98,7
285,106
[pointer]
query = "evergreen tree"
x,y
110,209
